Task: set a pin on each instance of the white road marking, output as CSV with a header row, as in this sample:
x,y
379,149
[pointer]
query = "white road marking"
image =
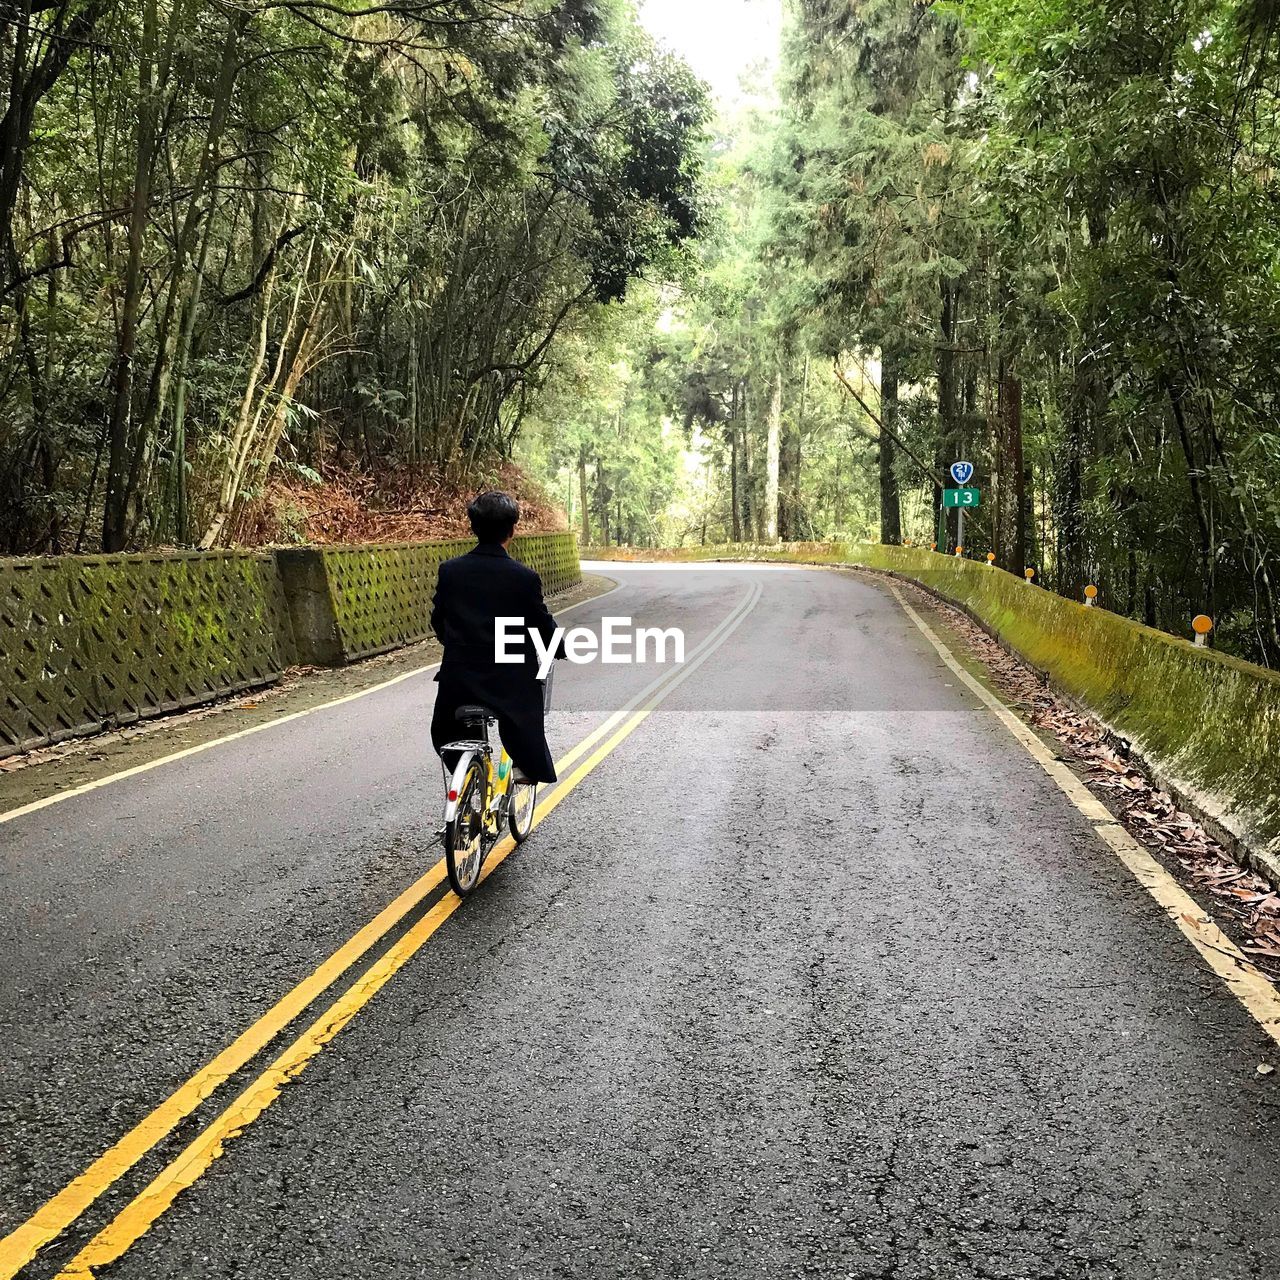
x,y
1246,983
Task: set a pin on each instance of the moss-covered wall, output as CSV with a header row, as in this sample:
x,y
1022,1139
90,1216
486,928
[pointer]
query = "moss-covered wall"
x,y
553,556
91,641
381,596
1208,724
88,642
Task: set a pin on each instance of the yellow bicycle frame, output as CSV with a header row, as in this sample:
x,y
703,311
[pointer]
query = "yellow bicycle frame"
x,y
499,776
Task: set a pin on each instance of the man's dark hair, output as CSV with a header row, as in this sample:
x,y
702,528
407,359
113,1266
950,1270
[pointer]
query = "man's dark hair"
x,y
493,516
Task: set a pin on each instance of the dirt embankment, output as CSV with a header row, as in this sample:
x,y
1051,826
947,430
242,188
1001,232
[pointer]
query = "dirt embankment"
x,y
410,504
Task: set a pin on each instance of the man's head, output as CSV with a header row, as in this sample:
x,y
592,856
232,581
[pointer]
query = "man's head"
x,y
493,516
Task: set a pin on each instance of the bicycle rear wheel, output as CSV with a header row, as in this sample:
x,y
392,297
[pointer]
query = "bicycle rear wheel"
x,y
464,835
521,804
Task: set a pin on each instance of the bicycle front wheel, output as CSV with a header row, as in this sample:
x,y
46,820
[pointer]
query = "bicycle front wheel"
x,y
523,801
464,835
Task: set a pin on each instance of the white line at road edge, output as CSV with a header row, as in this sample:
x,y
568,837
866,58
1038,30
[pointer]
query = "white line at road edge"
x,y
71,792
1246,983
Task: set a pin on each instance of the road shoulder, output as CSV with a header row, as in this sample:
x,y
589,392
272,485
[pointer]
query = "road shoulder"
x,y
1227,895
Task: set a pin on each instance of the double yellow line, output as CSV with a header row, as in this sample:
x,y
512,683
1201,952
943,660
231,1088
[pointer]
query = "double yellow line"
x,y
64,1209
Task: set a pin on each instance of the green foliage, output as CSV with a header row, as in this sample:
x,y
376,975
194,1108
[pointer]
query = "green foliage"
x,y
599,432
242,235
1039,234
1132,151
1042,234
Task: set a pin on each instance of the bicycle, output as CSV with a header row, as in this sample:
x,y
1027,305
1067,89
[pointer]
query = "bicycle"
x,y
482,796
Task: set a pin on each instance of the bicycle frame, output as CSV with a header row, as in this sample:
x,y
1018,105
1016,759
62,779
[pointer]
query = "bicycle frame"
x,y
467,752
499,779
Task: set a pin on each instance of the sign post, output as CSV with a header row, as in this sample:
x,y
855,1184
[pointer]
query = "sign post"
x,y
962,473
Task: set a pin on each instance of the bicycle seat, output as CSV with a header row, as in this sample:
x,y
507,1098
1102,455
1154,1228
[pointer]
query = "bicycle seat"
x,y
472,714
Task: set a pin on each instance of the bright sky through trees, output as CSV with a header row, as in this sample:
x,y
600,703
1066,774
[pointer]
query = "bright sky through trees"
x,y
720,39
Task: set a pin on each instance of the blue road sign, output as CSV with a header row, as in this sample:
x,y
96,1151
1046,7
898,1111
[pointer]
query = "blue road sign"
x,y
962,473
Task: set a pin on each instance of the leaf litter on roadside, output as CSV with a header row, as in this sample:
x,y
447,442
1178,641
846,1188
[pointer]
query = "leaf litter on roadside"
x,y
1149,814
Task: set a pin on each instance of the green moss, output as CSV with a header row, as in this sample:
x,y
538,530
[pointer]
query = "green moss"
x,y
1204,719
87,641
93,640
381,595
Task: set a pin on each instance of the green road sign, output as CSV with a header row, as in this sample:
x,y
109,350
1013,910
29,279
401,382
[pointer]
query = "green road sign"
x,y
962,497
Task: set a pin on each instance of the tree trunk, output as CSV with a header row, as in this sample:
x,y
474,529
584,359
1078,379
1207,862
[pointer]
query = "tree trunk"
x,y
890,506
837,497
735,464
789,521
948,405
119,457
772,457
1070,568
797,530
750,516
1206,595
706,499
584,496
602,503
1011,524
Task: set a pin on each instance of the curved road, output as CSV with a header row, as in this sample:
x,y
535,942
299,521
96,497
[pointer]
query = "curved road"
x,y
812,972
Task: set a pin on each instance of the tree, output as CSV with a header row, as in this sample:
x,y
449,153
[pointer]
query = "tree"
x,y
302,235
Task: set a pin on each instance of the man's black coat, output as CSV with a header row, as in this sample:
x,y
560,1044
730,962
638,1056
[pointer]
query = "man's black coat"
x,y
471,593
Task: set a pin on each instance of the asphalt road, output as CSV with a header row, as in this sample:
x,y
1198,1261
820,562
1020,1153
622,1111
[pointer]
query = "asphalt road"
x,y
816,973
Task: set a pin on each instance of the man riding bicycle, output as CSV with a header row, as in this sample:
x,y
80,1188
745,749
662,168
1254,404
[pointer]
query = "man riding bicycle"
x,y
472,592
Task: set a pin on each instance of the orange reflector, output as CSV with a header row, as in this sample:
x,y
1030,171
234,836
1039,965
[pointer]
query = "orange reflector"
x,y
1202,625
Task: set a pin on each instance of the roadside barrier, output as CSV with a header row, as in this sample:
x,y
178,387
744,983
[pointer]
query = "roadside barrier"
x,y
94,642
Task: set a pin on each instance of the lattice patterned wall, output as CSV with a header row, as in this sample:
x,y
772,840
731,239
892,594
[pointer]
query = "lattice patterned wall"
x,y
92,641
89,641
553,556
382,595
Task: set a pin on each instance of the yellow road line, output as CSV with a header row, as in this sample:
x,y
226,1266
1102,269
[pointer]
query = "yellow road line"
x,y
58,797
1246,983
138,1216
744,606
57,1214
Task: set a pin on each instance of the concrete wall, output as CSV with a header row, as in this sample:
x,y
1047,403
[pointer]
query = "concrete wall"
x,y
353,602
90,642
1207,724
